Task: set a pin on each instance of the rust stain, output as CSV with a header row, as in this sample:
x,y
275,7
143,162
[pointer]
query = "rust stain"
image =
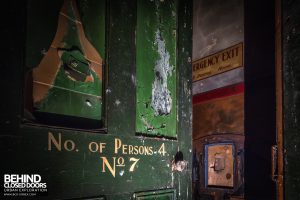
x,y
223,115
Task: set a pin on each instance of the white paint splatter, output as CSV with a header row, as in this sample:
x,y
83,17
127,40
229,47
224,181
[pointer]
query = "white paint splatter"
x,y
121,172
117,102
161,96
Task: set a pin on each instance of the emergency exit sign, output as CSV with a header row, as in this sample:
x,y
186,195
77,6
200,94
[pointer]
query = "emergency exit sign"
x,y
219,62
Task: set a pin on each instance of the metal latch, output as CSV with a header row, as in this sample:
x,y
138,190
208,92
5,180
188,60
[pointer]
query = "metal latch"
x,y
219,163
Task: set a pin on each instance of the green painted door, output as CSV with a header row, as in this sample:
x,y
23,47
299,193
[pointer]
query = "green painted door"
x,y
156,68
107,112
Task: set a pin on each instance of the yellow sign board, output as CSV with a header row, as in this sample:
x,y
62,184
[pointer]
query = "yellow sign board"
x,y
217,63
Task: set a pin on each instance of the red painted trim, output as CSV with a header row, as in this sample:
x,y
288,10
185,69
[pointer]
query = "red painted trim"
x,y
219,93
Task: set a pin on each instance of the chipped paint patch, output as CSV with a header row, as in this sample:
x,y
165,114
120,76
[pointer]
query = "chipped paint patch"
x,y
149,126
161,100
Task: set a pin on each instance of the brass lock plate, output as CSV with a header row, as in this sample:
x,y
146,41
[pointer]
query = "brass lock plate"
x,y
219,165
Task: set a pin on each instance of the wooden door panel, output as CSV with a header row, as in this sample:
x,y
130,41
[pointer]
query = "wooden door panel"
x,y
115,162
156,68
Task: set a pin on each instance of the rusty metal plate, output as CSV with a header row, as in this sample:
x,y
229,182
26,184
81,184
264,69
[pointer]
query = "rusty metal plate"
x,y
219,165
217,63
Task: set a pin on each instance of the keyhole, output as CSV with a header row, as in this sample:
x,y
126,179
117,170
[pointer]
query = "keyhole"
x,y
178,157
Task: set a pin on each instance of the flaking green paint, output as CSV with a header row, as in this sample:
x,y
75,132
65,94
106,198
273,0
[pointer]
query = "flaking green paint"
x,y
69,96
156,67
83,100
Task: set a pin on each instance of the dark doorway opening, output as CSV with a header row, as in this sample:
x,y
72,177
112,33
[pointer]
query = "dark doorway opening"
x,y
260,101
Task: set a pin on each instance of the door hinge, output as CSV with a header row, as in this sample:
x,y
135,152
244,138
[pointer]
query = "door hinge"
x,y
274,158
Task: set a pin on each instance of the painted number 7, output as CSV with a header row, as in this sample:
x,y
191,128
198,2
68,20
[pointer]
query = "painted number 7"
x,y
135,160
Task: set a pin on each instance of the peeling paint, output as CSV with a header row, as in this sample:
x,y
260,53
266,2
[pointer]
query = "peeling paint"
x,y
156,66
161,97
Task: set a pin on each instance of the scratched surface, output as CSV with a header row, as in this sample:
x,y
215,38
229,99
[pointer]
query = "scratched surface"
x,y
156,67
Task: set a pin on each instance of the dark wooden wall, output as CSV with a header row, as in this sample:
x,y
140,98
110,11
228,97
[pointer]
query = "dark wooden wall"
x,y
291,98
